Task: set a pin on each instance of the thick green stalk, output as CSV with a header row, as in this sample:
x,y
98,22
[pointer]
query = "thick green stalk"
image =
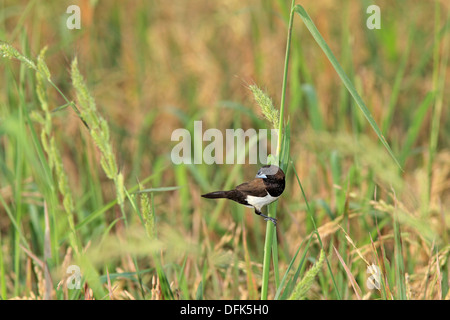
x,y
283,89
272,208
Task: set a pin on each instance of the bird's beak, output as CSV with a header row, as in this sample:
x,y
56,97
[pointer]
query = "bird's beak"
x,y
262,176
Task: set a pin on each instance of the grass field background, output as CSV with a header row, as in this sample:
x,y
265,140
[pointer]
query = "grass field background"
x,y
68,187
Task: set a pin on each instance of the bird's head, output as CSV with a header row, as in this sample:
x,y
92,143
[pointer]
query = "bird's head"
x,y
270,172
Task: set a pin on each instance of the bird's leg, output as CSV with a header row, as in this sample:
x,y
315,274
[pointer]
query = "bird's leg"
x,y
266,218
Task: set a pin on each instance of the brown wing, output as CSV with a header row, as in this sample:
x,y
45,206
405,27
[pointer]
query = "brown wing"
x,y
255,188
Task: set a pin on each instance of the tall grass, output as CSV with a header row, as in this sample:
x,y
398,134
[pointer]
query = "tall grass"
x,y
282,145
272,115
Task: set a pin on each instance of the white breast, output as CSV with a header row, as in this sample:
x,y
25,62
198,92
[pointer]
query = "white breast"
x,y
259,202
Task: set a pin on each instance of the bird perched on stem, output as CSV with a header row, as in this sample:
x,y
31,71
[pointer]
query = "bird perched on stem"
x,y
265,188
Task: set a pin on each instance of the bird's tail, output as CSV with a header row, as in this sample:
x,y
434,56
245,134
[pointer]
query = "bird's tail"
x,y
217,194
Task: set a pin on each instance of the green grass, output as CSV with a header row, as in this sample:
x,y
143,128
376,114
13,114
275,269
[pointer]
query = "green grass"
x,y
86,176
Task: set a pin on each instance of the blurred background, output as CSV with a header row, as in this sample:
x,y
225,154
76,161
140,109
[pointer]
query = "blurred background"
x,y
155,66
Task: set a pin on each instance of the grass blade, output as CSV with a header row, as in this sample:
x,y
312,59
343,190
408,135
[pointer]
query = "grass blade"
x,y
251,283
161,189
350,87
355,286
199,293
399,263
414,129
280,287
316,231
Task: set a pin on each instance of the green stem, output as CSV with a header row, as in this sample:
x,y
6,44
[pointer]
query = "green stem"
x,y
70,103
266,262
283,89
270,228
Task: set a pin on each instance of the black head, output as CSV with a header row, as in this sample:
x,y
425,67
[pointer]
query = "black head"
x,y
273,178
270,172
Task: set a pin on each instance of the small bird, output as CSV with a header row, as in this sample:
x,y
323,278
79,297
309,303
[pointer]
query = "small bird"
x,y
267,187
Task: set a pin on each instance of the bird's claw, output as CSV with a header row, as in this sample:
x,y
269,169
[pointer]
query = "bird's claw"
x,y
273,220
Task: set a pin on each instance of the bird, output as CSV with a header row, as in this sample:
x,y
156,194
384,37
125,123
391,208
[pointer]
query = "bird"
x,y
265,188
